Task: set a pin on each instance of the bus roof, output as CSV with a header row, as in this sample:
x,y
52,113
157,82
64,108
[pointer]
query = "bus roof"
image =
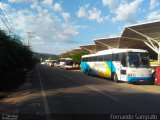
x,y
110,51
66,59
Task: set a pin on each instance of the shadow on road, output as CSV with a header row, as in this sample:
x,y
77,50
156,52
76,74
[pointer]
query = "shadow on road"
x,y
72,92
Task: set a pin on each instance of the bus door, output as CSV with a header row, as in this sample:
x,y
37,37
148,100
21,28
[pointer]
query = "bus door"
x,y
117,64
123,68
118,69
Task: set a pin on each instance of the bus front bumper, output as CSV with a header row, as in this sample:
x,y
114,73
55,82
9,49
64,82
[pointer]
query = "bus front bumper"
x,y
140,79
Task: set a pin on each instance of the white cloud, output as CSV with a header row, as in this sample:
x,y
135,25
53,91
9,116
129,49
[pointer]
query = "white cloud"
x,y
55,48
20,1
66,16
91,14
47,2
47,26
82,12
112,4
38,41
153,4
95,14
57,7
34,5
4,6
127,11
155,15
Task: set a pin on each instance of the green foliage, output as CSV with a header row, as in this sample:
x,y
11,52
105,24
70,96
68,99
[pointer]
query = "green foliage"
x,y
76,56
44,56
15,60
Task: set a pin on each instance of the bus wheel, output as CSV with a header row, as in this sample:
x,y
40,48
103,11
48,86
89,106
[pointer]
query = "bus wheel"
x,y
115,77
87,72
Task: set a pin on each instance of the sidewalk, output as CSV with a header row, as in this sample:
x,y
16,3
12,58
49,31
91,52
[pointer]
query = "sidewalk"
x,y
10,99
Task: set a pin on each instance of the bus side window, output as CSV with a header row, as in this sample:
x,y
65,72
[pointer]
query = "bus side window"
x,y
100,58
90,59
86,59
123,59
115,57
82,59
109,57
94,58
105,57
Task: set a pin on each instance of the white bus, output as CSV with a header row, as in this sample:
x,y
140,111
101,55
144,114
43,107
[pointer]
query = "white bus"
x,y
62,62
66,63
130,65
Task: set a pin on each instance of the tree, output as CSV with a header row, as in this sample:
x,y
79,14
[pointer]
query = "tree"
x,y
76,56
15,60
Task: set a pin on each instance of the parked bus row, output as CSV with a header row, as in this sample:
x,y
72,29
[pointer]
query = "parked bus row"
x,y
68,63
65,63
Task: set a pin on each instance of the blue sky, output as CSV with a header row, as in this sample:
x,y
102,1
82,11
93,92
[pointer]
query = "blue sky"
x,y
63,25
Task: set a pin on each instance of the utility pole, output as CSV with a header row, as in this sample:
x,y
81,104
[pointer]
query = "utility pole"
x,y
30,34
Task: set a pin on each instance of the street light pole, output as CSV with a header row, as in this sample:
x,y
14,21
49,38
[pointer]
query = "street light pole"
x,y
30,34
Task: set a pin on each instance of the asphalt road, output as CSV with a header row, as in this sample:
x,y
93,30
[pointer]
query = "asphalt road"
x,y
57,91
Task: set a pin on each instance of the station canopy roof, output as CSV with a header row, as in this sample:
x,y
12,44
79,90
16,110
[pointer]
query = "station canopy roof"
x,y
141,36
78,50
122,42
148,33
90,48
106,43
119,42
143,31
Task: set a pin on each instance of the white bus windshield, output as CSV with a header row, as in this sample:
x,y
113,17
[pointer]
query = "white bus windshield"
x,y
69,62
62,60
138,60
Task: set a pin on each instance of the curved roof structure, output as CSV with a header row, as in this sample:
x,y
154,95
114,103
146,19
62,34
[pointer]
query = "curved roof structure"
x,y
107,43
149,33
123,42
90,48
140,36
78,50
119,42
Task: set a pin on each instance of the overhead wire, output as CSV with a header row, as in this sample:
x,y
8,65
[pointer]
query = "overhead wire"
x,y
6,22
6,25
9,19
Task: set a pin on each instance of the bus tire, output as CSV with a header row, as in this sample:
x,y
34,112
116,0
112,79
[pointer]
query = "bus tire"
x,y
115,77
88,72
